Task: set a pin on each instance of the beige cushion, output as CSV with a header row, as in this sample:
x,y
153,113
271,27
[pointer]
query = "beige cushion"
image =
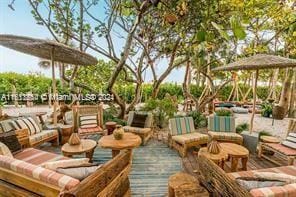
x,y
191,137
4,150
53,165
276,176
136,129
226,136
79,173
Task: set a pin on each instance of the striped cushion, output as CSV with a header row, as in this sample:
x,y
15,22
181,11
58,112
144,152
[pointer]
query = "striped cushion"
x,y
136,129
290,141
191,137
181,125
148,122
226,136
38,157
281,148
287,190
96,129
221,123
88,121
26,123
38,137
38,173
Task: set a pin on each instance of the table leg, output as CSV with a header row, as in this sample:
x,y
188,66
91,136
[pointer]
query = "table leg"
x,y
90,155
115,152
234,163
244,163
222,164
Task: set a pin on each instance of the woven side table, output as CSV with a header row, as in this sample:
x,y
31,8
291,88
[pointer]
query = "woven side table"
x,y
182,184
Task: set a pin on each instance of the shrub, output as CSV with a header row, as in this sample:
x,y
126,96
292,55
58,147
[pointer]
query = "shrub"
x,y
242,127
223,112
266,109
199,119
110,115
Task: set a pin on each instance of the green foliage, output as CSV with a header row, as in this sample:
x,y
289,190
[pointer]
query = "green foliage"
x,y
199,119
262,133
162,109
223,112
111,115
266,109
242,127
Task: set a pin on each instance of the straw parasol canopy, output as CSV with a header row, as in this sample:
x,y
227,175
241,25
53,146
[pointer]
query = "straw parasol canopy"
x,y
257,62
50,50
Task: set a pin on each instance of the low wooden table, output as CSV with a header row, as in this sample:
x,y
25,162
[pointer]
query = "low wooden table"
x,y
129,141
269,139
219,158
183,184
86,147
236,152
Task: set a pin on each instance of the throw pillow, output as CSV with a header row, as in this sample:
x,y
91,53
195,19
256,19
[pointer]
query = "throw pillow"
x,y
4,150
88,121
26,123
276,176
290,141
139,120
11,141
250,183
80,172
53,165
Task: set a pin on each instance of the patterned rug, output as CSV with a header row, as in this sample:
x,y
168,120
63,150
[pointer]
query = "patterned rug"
x,y
151,168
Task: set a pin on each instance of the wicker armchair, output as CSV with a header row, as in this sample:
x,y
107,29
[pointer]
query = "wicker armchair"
x,y
182,135
146,132
83,110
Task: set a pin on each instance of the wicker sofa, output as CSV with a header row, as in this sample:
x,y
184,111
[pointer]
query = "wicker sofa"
x,y
221,183
28,137
182,135
23,176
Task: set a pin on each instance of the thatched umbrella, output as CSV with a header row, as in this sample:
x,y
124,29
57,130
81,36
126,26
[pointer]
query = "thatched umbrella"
x,y
256,62
50,50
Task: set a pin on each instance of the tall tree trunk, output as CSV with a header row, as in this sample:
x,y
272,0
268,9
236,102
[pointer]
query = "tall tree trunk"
x,y
286,91
292,96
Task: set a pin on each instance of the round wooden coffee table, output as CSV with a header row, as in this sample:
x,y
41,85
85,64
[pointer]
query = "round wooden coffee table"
x,y
129,141
86,147
236,152
219,158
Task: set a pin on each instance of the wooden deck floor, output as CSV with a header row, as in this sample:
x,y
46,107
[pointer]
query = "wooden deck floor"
x,y
190,164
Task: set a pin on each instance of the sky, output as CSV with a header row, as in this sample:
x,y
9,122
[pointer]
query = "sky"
x,y
21,22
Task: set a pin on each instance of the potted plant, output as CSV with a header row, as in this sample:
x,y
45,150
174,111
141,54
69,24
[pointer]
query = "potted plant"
x,y
266,109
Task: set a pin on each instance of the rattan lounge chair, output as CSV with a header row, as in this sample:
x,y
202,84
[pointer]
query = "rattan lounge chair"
x,y
88,110
146,132
285,152
182,135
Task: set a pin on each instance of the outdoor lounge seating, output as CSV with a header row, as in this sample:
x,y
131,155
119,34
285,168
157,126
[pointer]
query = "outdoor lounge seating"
x,y
224,184
222,129
182,135
286,149
146,132
23,176
90,116
31,131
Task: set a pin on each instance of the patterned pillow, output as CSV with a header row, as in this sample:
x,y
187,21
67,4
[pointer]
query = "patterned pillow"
x,y
11,141
88,121
290,141
53,165
26,123
139,120
80,172
4,150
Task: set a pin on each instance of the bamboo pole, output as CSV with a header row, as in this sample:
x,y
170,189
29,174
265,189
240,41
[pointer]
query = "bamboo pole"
x,y
53,88
254,99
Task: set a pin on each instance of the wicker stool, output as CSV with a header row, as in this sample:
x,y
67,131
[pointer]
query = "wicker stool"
x,y
182,184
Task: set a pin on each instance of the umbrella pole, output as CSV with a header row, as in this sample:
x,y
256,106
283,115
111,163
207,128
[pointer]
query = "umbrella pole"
x,y
254,100
53,88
